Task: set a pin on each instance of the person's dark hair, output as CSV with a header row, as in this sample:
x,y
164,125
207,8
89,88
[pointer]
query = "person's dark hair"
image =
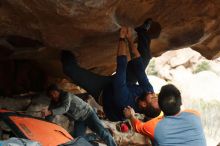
x,y
143,96
169,100
53,87
150,111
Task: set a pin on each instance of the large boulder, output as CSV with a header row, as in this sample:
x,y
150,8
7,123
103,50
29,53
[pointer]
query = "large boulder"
x,y
157,83
37,30
201,85
91,25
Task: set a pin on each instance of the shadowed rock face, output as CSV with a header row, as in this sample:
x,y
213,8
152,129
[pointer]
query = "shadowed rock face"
x,y
37,30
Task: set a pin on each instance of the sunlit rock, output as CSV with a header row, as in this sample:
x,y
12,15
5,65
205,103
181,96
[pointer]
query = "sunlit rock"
x,y
157,83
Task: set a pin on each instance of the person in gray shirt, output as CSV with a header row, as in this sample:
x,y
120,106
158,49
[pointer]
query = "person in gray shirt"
x,y
75,108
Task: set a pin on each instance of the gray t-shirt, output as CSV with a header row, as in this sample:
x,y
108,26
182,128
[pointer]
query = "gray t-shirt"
x,y
72,106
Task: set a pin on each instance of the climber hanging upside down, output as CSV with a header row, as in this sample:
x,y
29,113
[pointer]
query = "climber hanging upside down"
x,y
120,90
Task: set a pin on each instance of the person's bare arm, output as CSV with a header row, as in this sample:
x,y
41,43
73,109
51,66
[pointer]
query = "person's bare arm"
x,y
120,88
62,109
146,128
122,45
132,46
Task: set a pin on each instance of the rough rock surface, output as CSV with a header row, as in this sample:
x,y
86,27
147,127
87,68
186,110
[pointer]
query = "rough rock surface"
x,y
37,30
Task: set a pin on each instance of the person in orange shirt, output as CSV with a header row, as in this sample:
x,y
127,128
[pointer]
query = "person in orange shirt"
x,y
176,127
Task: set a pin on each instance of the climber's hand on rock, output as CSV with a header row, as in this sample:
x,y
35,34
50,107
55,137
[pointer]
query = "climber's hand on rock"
x,y
129,34
123,32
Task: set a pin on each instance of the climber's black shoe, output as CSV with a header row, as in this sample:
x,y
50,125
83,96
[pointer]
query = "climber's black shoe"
x,y
150,28
145,26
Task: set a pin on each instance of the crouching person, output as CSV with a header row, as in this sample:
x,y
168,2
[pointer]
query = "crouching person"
x,y
176,127
78,110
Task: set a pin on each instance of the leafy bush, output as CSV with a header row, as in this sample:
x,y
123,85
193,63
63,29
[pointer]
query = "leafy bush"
x,y
151,69
203,66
